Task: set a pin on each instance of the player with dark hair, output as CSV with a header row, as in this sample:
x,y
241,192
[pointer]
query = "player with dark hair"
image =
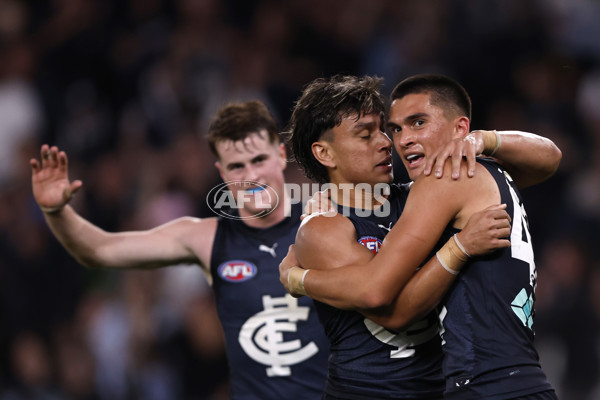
x,y
488,313
275,344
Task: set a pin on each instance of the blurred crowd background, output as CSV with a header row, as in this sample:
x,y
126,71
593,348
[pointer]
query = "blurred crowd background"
x,y
127,88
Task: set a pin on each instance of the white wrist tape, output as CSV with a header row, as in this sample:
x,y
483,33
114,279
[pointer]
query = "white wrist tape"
x,y
452,256
296,281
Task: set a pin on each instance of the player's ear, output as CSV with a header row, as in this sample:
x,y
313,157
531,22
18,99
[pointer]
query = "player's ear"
x,y
282,155
462,127
323,153
220,169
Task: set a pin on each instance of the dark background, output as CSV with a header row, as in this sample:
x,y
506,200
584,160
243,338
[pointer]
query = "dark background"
x,y
127,88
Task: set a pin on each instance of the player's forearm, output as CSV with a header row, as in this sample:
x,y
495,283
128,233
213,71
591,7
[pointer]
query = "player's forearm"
x,y
78,236
340,287
350,288
88,244
425,289
371,285
354,287
529,158
420,295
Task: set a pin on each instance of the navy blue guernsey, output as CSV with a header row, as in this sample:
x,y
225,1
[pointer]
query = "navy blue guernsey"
x,y
367,361
487,319
276,346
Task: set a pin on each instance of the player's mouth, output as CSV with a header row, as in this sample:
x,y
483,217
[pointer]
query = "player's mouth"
x,y
256,189
414,159
386,164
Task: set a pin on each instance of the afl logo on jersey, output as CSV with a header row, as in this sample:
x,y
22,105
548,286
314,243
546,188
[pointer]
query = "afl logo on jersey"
x,y
370,242
237,271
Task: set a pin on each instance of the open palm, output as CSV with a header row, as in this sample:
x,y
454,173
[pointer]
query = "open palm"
x,y
50,179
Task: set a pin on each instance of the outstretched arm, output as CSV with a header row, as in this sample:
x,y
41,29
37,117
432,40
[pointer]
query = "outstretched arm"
x,y
529,158
94,247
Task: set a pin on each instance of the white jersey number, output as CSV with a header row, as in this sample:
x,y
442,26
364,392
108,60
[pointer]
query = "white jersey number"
x,y
520,249
403,342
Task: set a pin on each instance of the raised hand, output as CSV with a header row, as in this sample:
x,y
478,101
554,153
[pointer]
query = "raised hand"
x,y
486,231
50,180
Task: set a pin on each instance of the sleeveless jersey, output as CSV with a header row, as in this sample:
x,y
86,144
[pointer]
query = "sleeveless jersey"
x,y
487,319
367,361
276,347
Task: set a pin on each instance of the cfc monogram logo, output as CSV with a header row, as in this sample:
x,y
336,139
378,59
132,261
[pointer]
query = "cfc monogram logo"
x,y
261,337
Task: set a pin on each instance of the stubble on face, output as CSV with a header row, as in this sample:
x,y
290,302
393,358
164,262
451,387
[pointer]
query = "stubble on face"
x,y
253,169
422,130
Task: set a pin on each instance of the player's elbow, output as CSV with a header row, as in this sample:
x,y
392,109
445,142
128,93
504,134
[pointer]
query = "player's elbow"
x,y
543,171
399,322
552,159
373,299
551,165
556,157
403,314
390,319
89,262
98,257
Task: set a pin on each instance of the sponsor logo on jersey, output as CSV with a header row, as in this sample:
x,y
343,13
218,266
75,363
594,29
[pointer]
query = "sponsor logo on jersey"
x,y
370,242
237,270
522,306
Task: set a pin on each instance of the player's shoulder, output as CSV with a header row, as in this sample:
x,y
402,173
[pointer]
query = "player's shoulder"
x,y
326,241
463,181
453,194
324,221
324,226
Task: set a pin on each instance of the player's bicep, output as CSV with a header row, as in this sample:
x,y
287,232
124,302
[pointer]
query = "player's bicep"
x,y
164,245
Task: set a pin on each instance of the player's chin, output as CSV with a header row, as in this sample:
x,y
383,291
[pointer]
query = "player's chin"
x,y
388,178
413,173
261,209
